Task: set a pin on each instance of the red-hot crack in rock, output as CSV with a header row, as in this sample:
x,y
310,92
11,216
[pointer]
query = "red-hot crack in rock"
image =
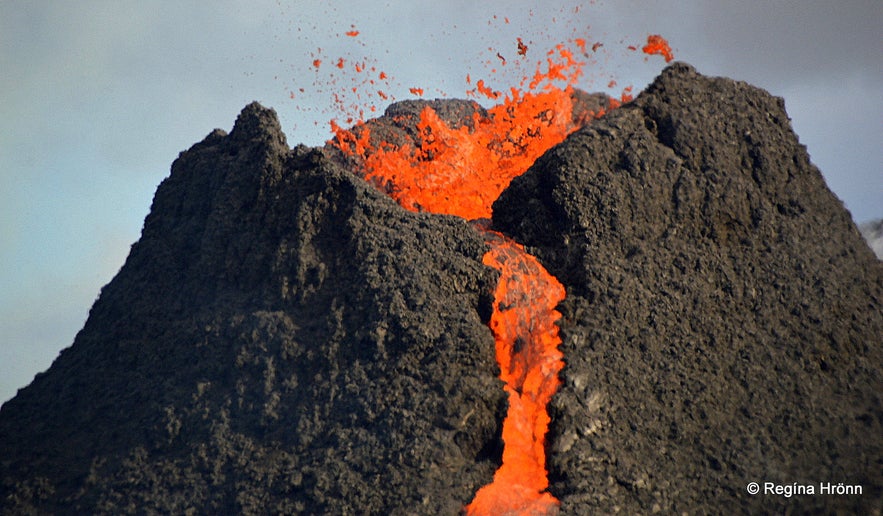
x,y
461,171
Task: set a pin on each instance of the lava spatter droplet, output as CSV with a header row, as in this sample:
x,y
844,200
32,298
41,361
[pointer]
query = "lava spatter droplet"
x,y
656,44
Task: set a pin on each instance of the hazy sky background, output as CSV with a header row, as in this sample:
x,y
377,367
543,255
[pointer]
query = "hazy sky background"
x,y
97,98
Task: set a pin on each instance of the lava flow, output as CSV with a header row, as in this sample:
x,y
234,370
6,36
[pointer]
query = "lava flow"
x,y
461,171
527,342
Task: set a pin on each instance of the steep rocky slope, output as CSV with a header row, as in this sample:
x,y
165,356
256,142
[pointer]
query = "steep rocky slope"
x,y
723,321
284,338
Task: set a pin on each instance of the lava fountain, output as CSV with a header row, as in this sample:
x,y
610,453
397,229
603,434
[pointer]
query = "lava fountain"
x,y
461,171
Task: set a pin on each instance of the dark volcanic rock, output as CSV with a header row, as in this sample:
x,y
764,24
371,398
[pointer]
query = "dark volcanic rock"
x,y
723,321
283,338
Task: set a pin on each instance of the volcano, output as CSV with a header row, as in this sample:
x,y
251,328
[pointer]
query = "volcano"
x,y
287,338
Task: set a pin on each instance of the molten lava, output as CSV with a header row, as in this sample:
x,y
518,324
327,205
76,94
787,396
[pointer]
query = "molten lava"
x,y
526,338
656,44
461,171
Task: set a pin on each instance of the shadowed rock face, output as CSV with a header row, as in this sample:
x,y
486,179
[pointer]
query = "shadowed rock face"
x,y
723,317
284,338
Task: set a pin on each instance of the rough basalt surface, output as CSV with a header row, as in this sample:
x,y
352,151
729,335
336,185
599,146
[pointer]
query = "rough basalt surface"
x,y
284,338
723,317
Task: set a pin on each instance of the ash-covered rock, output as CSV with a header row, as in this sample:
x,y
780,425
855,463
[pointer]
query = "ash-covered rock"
x,y
282,339
723,320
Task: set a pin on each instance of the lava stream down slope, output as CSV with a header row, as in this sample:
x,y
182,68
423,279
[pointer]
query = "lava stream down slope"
x,y
461,171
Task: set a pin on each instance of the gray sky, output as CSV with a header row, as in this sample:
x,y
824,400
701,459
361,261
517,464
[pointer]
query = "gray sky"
x,y
97,98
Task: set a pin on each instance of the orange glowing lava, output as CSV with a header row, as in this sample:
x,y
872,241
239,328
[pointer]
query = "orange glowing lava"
x,y
462,171
656,44
527,340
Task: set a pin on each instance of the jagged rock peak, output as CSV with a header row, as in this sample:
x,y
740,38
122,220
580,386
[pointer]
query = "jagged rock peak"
x,y
283,338
257,122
